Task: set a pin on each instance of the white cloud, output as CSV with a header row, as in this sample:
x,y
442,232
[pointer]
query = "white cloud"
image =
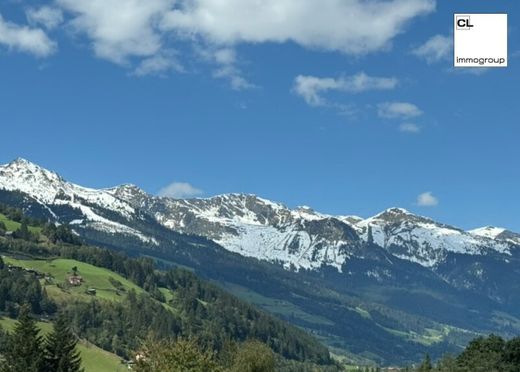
x,y
426,199
310,88
226,60
25,39
225,56
347,26
159,65
45,16
180,190
119,29
138,32
409,128
435,49
396,110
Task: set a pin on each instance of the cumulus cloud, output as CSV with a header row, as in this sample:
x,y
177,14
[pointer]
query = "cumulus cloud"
x,y
136,33
348,26
119,30
427,199
435,49
180,190
398,110
311,88
26,39
46,16
409,128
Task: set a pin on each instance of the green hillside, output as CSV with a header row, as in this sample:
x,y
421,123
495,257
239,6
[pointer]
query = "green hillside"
x,y
93,358
108,285
114,303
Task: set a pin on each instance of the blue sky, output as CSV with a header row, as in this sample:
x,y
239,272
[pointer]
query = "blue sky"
x,y
344,106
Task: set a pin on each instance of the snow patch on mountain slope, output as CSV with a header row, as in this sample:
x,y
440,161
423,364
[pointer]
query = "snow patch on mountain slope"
x,y
269,243
100,223
48,188
420,239
257,227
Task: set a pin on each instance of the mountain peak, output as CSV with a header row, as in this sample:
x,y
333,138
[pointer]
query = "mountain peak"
x,y
398,210
128,187
488,231
394,213
27,173
129,192
24,164
21,161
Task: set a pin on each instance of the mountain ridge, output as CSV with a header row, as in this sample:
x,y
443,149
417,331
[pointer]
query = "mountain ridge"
x,y
256,227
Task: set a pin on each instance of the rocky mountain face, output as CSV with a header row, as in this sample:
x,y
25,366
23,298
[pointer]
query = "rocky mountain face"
x,y
303,238
254,227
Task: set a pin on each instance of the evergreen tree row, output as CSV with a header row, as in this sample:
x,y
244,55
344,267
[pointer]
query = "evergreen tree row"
x,y
25,350
483,354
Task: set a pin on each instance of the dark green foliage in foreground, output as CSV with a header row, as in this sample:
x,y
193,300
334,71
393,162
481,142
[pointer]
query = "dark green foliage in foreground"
x,y
60,354
253,356
186,356
24,352
483,354
179,356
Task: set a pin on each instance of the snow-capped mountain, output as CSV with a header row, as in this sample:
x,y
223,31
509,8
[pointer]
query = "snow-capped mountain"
x,y
301,237
252,226
423,240
52,192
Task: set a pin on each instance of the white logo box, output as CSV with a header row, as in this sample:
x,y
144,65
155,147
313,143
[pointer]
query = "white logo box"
x,y
480,40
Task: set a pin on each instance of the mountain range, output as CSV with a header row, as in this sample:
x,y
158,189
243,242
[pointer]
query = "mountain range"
x,y
359,284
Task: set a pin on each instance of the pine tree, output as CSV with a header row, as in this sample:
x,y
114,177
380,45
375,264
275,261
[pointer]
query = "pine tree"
x,y
24,352
60,349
